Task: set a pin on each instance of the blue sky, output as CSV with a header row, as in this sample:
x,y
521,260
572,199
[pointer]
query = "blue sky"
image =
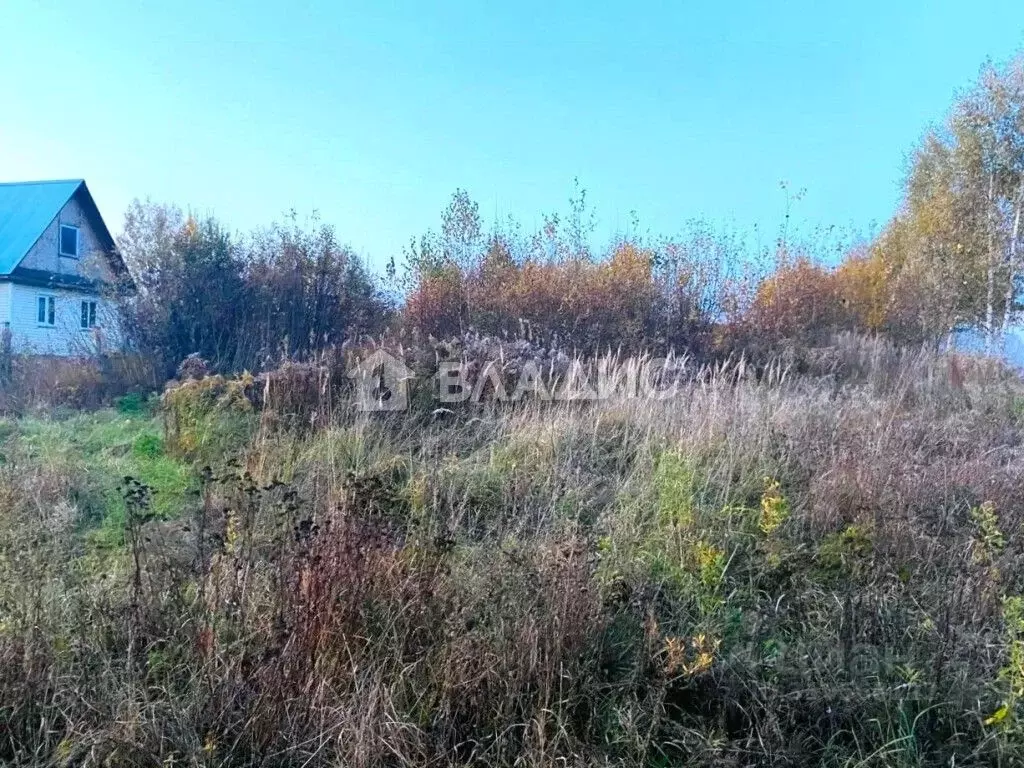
x,y
374,113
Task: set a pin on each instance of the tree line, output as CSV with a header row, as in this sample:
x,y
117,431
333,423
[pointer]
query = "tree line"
x,y
950,257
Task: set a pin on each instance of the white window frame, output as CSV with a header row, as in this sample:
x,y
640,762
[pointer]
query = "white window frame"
x,y
91,314
60,241
49,307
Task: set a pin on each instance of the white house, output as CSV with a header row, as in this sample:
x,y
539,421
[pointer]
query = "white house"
x,y
60,271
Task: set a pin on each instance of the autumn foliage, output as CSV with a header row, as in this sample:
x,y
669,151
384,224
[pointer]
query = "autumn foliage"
x,y
807,303
800,300
628,299
596,304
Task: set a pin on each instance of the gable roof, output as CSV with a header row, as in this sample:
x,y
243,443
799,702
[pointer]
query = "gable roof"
x,y
27,208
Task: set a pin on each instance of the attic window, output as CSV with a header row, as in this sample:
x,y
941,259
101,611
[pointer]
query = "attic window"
x,y
69,241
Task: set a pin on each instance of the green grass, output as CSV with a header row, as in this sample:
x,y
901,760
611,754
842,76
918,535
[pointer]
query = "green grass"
x,y
98,450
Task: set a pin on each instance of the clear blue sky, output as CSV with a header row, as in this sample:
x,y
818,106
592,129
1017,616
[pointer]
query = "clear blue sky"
x,y
374,113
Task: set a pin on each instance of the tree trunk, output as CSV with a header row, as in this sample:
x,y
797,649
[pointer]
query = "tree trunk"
x,y
1011,283
990,291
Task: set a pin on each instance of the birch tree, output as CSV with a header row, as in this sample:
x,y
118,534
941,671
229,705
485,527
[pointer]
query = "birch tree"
x,y
959,230
989,126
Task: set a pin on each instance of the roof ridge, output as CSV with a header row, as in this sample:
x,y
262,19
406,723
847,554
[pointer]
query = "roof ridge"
x,y
40,181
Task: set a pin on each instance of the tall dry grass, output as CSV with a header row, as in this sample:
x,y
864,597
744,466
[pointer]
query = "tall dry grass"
x,y
811,562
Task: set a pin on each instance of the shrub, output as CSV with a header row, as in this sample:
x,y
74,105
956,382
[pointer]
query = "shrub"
x,y
800,302
209,419
865,290
436,304
593,306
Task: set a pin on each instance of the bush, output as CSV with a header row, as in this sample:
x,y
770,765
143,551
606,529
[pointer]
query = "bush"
x,y
799,302
208,420
590,306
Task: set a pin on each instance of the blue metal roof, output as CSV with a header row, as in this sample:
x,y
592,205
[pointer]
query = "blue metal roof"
x,y
26,210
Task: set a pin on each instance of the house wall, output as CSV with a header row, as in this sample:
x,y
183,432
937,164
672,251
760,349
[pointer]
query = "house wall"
x,y
92,262
5,303
66,337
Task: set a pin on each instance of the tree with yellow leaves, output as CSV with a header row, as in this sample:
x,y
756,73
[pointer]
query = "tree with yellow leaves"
x,y
951,253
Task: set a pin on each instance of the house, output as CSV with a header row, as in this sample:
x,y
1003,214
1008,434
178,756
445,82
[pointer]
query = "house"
x,y
60,272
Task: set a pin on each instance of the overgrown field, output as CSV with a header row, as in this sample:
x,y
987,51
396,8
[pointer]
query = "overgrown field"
x,y
773,567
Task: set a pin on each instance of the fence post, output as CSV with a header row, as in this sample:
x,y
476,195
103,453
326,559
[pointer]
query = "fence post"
x,y
6,356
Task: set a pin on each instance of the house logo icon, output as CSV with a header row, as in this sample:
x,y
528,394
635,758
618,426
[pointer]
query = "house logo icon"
x,y
381,382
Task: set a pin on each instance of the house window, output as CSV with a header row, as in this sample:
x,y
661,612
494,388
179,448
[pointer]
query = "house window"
x,y
88,314
69,241
46,310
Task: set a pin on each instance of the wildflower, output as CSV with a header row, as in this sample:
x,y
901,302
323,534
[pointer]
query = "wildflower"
x,y
774,507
